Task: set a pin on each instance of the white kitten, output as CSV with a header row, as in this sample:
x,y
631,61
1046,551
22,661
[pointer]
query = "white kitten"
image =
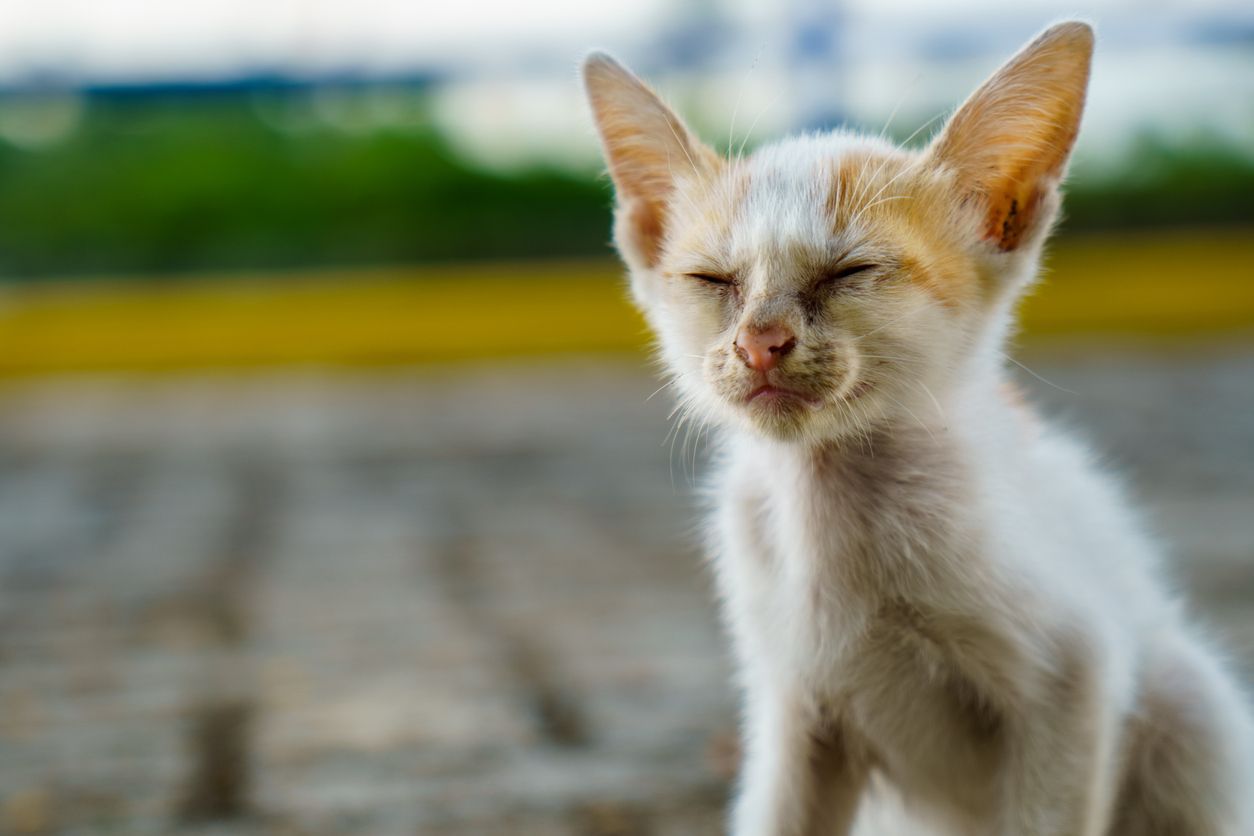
x,y
942,611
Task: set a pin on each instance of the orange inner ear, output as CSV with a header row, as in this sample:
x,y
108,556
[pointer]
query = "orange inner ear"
x,y
1014,198
644,225
1011,213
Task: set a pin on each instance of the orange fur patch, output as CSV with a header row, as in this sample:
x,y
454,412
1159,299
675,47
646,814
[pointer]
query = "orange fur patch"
x,y
882,196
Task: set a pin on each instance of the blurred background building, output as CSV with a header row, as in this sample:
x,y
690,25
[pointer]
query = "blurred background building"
x,y
332,495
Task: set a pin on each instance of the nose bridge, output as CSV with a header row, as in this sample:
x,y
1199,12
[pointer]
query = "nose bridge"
x,y
772,301
764,311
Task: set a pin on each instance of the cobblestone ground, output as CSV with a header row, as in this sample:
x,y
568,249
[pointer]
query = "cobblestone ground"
x,y
441,602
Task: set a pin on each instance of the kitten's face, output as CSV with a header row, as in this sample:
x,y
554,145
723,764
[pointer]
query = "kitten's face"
x,y
828,283
808,292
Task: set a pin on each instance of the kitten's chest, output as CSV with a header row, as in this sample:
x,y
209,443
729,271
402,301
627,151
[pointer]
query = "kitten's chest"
x,y
825,577
815,552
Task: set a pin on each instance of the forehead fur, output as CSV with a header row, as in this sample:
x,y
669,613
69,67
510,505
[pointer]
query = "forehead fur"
x,y
801,191
796,205
809,188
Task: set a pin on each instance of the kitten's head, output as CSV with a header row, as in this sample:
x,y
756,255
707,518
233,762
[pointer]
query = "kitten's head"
x,y
827,283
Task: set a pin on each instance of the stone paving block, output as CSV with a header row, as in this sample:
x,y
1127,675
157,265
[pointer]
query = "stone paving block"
x,y
453,601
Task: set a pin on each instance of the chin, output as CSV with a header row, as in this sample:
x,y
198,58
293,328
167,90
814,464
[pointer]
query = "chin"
x,y
780,427
830,425
779,419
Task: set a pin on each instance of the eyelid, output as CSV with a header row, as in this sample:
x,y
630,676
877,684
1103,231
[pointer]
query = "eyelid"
x,y
710,278
845,271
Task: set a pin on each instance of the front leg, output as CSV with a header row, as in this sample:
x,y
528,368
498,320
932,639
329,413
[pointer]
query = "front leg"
x,y
798,778
1062,772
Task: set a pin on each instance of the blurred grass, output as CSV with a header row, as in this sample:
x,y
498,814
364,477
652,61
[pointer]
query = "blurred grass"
x,y
164,181
1160,284
164,184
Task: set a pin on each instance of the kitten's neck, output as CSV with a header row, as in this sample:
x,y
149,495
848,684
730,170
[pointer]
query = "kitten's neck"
x,y
879,453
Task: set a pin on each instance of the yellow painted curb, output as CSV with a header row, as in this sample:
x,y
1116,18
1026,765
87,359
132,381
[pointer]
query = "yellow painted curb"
x,y
1178,284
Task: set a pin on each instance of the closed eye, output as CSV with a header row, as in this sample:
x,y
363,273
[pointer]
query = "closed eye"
x,y
845,272
711,278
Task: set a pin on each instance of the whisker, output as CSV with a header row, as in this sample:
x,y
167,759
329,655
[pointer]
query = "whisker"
x,y
908,411
921,128
862,173
870,206
670,458
669,430
741,152
909,361
659,389
892,114
696,451
731,130
909,88
1037,376
683,146
939,410
882,189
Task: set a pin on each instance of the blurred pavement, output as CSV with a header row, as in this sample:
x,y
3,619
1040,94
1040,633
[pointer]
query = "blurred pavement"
x,y
453,601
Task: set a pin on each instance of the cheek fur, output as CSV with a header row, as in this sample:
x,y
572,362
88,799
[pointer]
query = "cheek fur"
x,y
705,319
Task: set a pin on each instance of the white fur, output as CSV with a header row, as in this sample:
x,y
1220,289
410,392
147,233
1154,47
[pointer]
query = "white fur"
x,y
1027,542
947,619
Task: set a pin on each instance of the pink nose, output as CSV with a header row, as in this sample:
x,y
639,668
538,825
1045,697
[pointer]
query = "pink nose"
x,y
762,350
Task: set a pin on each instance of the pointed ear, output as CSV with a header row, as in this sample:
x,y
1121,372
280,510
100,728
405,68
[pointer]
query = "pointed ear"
x,y
647,148
1009,143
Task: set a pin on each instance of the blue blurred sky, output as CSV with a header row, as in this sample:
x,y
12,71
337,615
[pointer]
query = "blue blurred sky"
x,y
502,72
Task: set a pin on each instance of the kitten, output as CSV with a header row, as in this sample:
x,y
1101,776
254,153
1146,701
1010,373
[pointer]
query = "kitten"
x,y
941,609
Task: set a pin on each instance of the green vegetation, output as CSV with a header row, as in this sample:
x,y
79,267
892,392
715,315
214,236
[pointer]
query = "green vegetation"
x,y
1208,182
148,185
167,186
